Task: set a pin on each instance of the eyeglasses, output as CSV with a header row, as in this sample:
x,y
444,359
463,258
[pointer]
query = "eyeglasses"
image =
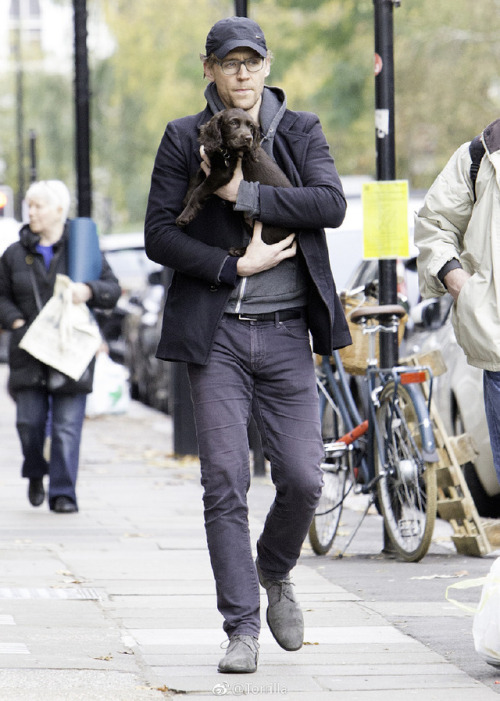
x,y
232,66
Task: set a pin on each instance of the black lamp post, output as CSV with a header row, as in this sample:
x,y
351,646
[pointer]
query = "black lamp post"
x,y
17,36
385,151
386,165
82,111
241,8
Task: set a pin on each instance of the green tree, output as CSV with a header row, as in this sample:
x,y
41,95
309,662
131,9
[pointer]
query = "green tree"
x,y
447,85
155,75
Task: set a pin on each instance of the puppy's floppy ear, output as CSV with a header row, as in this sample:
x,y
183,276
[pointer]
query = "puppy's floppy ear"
x,y
256,141
211,134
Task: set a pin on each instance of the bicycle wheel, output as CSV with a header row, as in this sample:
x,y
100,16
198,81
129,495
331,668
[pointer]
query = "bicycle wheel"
x,y
407,489
326,519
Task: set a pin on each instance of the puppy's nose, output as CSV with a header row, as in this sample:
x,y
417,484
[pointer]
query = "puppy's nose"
x,y
248,138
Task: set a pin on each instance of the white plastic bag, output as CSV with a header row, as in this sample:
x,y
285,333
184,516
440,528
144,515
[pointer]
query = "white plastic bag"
x,y
111,390
486,622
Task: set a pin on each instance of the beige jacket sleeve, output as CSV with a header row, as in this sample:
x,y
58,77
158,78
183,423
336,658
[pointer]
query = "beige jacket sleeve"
x,y
441,223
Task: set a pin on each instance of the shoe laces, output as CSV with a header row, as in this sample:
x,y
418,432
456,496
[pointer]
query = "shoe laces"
x,y
247,640
284,587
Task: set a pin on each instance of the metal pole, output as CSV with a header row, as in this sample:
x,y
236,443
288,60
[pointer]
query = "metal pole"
x,y
185,442
17,36
33,163
82,111
385,151
240,8
386,167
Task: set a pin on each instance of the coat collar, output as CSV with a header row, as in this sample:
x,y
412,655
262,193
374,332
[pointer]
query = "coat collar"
x,y
31,240
491,136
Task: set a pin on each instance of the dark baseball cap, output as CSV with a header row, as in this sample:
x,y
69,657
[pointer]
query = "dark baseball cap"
x,y
233,32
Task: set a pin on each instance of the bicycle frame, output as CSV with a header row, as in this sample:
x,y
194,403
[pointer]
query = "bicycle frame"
x,y
390,463
376,378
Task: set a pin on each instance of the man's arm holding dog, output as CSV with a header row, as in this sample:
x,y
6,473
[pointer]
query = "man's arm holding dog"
x,y
258,256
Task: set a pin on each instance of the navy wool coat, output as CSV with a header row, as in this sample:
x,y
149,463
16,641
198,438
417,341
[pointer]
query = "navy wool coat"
x,y
196,299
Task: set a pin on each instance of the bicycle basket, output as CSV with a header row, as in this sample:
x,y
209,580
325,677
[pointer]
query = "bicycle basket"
x,y
355,357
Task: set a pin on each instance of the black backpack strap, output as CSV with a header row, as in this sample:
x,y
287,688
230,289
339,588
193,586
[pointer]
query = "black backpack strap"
x,y
476,150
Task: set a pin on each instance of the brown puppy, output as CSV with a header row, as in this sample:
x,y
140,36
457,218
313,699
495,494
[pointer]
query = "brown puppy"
x,y
228,135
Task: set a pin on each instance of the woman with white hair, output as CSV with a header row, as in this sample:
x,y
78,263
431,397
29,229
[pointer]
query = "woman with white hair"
x,y
28,270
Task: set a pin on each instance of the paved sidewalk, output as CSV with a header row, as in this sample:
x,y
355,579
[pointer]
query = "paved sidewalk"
x,y
117,602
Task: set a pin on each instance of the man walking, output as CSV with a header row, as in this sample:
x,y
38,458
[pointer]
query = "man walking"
x,y
457,232
242,325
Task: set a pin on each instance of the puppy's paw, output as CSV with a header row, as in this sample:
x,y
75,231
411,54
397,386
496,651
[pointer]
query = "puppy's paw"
x,y
237,252
182,221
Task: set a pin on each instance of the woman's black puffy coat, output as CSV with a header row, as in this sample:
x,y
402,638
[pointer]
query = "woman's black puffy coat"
x,y
17,300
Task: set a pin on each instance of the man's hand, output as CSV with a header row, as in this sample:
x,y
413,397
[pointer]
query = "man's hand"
x,y
455,280
260,256
227,192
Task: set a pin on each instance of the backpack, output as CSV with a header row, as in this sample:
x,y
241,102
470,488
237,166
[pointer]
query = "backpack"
x,y
476,150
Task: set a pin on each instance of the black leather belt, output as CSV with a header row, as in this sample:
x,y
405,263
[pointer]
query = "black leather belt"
x,y
281,315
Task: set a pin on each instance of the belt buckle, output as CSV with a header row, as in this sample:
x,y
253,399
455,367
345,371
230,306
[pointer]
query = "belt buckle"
x,y
253,317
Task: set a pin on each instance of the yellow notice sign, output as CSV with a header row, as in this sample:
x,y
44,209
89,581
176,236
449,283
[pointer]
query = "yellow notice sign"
x,y
385,219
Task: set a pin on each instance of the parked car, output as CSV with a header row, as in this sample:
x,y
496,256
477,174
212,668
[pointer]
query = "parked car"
x,y
126,255
150,378
458,393
9,232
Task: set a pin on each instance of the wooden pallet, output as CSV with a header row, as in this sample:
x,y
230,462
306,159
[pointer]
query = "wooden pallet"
x,y
471,534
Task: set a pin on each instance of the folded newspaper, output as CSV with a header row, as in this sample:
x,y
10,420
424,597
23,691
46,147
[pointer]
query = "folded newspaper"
x,y
63,335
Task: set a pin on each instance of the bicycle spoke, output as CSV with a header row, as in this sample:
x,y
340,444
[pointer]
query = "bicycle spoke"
x,y
327,517
406,491
335,478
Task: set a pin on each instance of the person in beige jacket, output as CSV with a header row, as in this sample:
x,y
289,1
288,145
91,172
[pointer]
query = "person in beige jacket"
x,y
458,238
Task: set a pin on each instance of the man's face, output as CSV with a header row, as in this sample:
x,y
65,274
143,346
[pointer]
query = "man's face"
x,y
244,89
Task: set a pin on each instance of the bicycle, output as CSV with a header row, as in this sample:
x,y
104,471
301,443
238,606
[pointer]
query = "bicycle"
x,y
389,454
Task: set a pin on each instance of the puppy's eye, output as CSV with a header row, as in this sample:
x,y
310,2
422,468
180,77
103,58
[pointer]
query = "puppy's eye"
x,y
234,123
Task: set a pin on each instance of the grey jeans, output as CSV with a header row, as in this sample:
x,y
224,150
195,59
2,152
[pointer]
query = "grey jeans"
x,y
264,368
